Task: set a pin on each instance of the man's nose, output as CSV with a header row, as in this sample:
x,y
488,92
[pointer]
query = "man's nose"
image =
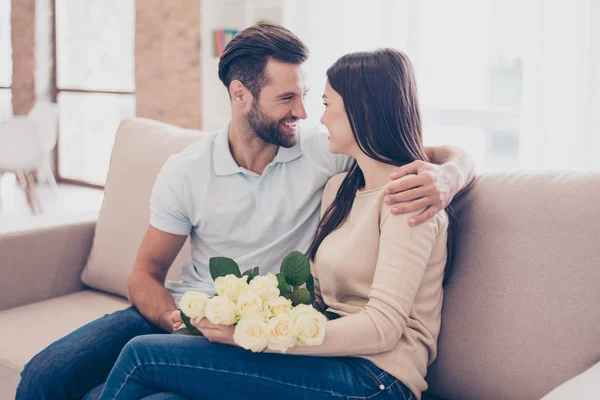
x,y
299,111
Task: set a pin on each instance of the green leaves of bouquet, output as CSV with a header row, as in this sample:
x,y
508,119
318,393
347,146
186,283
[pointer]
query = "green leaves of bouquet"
x,y
295,280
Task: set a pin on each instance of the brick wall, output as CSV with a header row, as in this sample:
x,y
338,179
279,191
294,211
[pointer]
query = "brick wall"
x,y
22,21
167,61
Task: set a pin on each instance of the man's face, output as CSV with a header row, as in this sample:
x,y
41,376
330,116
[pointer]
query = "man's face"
x,y
274,115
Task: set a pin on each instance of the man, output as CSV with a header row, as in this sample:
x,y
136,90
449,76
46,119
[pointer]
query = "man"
x,y
250,192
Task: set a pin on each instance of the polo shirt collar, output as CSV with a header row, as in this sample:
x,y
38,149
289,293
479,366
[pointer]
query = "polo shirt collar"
x,y
225,165
223,161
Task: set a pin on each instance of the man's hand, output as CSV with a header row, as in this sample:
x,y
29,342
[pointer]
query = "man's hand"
x,y
431,188
216,333
174,320
145,287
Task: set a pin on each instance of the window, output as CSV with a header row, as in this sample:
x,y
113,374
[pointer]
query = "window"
x,y
95,83
469,70
468,58
5,61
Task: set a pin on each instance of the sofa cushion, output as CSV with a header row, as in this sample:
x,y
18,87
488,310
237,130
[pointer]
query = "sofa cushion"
x,y
141,148
58,317
521,312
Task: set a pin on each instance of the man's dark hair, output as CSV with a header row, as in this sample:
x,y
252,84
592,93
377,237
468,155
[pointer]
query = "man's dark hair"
x,y
246,55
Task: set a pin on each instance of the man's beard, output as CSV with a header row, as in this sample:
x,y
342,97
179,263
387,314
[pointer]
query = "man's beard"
x,y
269,130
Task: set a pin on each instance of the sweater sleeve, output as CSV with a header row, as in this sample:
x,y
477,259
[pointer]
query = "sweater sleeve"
x,y
404,253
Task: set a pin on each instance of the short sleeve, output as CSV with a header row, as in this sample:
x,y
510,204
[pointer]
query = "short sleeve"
x,y
168,212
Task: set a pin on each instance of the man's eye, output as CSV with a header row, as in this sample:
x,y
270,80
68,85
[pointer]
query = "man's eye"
x,y
287,98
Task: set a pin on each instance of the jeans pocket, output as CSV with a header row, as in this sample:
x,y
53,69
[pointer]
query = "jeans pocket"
x,y
380,379
401,391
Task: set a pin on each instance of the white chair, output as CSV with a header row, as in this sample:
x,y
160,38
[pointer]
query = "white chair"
x,y
26,145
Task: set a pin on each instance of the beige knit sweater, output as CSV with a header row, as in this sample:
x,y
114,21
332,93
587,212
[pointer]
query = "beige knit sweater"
x,y
385,279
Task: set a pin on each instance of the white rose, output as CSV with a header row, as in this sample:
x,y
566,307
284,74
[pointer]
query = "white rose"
x,y
251,333
310,327
301,309
193,303
278,305
231,286
221,310
265,286
281,334
250,303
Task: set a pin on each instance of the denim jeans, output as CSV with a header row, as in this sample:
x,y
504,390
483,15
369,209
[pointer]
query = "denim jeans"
x,y
76,364
195,368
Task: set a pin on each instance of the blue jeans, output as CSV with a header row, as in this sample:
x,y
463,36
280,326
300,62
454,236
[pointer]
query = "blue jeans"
x,y
195,368
80,362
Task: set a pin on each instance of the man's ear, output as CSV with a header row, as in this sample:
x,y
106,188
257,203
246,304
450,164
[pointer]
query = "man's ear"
x,y
238,92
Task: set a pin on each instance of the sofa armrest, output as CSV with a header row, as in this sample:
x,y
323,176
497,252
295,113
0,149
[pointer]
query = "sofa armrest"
x,y
583,386
45,260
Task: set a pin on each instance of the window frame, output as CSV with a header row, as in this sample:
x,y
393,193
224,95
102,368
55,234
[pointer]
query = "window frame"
x,y
55,92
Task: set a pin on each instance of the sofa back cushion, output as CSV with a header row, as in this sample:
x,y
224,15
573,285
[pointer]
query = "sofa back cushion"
x,y
521,310
141,148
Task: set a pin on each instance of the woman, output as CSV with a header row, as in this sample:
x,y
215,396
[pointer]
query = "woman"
x,y
381,275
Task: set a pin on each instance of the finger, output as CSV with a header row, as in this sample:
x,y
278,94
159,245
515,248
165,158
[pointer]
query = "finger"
x,y
176,325
176,316
409,195
424,216
411,206
407,169
198,323
206,324
404,184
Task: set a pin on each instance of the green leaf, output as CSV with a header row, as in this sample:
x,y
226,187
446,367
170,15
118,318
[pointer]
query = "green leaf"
x,y
251,273
310,286
300,296
331,315
188,323
222,266
184,331
296,268
284,290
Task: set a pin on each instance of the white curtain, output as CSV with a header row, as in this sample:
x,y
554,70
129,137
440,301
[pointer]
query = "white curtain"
x,y
560,117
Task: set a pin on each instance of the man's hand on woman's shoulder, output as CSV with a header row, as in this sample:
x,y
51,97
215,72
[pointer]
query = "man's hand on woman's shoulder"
x,y
430,187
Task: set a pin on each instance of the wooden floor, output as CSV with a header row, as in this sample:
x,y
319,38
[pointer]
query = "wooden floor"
x,y
15,212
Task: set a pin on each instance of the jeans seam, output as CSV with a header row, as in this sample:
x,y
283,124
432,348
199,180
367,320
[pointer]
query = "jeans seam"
x,y
402,390
369,397
378,382
125,381
244,374
376,378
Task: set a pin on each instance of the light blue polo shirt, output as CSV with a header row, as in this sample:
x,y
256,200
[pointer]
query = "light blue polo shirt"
x,y
229,211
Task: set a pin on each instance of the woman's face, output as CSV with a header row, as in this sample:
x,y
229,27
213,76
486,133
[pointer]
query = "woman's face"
x,y
341,140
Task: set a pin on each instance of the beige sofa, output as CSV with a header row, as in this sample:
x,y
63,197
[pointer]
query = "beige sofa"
x,y
521,312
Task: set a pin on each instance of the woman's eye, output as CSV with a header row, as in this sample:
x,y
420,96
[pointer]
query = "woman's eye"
x,y
325,104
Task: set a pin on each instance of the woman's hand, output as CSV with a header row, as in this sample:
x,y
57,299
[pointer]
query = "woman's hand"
x,y
216,333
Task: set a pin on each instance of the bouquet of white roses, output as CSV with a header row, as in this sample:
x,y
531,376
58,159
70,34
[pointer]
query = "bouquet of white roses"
x,y
272,311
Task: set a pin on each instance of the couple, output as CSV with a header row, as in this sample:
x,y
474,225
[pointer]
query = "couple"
x,y
253,193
